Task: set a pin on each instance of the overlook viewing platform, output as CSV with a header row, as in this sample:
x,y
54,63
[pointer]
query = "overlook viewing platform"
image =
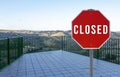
x,y
58,64
38,56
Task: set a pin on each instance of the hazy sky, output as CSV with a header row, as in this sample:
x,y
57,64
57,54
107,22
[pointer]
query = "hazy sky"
x,y
53,14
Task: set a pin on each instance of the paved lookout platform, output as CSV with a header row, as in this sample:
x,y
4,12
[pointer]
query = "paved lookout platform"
x,y
58,64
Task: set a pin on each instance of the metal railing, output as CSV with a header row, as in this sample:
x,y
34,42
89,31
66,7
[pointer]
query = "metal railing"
x,y
110,51
10,50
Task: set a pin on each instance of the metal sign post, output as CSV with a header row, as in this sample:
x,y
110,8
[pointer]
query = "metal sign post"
x,y
91,62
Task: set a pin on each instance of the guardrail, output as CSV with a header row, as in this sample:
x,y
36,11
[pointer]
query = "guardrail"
x,y
110,51
10,50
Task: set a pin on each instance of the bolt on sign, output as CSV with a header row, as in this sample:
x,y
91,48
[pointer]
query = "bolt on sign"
x,y
90,29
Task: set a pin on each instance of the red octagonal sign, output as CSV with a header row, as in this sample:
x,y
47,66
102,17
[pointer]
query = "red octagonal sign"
x,y
90,29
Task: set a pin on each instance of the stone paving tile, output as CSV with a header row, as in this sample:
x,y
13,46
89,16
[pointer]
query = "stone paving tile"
x,y
58,64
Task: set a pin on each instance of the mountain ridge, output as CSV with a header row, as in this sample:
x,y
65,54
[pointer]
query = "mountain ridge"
x,y
47,33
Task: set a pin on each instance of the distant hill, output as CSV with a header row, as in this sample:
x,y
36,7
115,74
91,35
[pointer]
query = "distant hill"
x,y
8,33
47,40
58,34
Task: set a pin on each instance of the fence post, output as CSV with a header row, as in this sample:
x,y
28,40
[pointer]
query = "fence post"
x,y
19,50
97,53
21,45
18,47
118,50
8,51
